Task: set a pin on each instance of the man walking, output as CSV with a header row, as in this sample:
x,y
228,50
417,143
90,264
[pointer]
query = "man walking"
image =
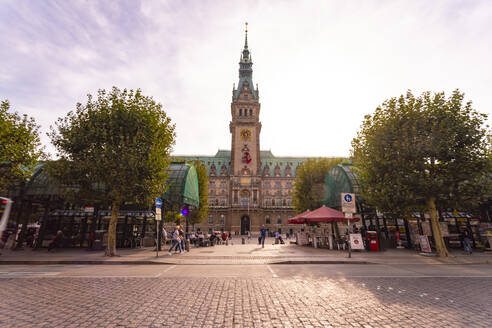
x,y
263,232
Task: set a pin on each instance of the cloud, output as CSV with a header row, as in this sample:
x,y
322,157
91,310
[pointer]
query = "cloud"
x,y
321,66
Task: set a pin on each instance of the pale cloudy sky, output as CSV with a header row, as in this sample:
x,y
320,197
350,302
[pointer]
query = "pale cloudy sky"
x,y
320,65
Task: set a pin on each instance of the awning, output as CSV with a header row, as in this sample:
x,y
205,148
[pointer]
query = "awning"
x,y
321,215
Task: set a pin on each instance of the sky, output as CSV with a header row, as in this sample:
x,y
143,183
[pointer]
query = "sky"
x,y
321,66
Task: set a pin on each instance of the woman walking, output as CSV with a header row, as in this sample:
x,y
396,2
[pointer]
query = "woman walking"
x,y
176,242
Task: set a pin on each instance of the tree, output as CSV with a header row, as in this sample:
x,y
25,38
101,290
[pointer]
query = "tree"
x,y
309,184
20,147
422,153
198,215
121,141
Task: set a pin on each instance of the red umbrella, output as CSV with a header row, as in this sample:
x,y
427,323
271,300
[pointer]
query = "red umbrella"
x,y
324,215
297,220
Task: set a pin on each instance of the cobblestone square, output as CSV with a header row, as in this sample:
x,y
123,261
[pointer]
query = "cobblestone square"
x,y
246,302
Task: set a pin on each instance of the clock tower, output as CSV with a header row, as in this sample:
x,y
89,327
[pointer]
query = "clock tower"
x,y
245,125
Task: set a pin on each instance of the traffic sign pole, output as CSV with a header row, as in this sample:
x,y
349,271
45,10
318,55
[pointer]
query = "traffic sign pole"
x,y
158,205
348,208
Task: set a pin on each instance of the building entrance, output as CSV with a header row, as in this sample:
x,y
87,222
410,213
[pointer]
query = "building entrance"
x,y
245,224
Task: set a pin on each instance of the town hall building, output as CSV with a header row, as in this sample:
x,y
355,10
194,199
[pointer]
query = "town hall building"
x,y
249,187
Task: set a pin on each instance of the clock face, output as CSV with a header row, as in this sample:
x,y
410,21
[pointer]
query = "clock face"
x,y
245,134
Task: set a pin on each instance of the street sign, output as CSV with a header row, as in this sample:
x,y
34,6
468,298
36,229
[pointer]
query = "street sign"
x,y
356,241
424,244
158,213
348,215
348,203
158,202
89,209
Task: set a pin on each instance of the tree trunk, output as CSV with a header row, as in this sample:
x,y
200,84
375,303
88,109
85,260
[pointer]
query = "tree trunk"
x,y
111,248
436,228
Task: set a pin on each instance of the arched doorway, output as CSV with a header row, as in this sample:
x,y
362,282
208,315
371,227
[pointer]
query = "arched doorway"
x,y
245,224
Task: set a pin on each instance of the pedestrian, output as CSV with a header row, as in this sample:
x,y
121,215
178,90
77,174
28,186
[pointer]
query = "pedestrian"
x,y
467,242
182,239
164,236
263,232
249,235
176,242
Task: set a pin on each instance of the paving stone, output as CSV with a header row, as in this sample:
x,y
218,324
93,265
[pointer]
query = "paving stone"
x,y
241,302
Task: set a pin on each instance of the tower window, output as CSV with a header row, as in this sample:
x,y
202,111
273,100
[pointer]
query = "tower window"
x,y
246,97
240,112
250,112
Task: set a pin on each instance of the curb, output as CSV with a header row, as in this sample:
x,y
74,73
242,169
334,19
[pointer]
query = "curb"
x,y
323,262
84,262
272,262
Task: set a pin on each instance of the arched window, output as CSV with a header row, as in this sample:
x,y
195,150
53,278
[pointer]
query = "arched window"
x,y
288,171
276,171
213,170
223,170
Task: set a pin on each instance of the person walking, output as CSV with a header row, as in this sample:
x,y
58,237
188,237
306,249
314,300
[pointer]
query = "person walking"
x,y
176,241
182,239
467,242
263,232
164,236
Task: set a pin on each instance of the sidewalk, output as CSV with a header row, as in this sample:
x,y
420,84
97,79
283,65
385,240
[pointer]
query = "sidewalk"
x,y
238,254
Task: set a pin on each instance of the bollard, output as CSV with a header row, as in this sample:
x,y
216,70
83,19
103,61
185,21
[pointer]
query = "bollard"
x,y
187,245
243,241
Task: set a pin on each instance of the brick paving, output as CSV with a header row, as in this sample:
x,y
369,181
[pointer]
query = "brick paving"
x,y
246,302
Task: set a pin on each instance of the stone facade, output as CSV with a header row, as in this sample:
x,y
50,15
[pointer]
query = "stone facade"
x,y
248,187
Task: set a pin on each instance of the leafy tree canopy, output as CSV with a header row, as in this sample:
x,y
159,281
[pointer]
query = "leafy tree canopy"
x,y
309,184
421,152
121,140
20,146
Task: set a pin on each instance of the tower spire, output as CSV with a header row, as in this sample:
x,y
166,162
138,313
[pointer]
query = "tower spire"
x,y
246,36
246,57
245,68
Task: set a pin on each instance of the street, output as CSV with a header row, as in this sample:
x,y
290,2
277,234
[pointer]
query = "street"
x,y
328,295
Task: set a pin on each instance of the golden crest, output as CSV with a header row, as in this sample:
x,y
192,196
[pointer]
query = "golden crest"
x,y
245,134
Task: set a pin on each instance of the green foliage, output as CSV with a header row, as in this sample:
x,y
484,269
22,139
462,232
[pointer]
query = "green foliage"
x,y
414,149
120,139
309,184
198,215
20,147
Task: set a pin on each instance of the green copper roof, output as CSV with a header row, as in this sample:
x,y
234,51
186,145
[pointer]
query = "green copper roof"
x,y
182,184
221,163
340,179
